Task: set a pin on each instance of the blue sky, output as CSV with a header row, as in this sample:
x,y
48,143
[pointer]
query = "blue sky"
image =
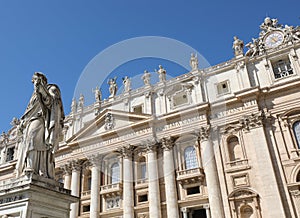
x,y
60,37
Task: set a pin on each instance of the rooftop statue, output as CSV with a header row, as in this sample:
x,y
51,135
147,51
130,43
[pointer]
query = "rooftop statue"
x,y
40,128
238,46
98,94
73,106
146,77
81,101
194,61
161,74
127,84
112,82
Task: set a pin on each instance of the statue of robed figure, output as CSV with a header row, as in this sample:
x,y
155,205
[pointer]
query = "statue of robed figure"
x,y
39,129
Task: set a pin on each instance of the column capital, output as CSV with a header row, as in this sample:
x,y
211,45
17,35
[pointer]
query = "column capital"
x,y
67,169
76,165
184,209
150,145
203,133
95,160
206,206
126,151
167,143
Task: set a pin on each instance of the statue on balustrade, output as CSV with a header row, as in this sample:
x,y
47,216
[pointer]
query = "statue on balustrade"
x,y
39,129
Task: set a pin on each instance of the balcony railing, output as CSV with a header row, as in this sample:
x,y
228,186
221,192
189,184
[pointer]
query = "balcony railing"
x,y
111,189
85,194
190,175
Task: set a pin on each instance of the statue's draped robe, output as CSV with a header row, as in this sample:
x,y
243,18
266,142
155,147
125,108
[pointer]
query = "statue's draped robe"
x,y
42,120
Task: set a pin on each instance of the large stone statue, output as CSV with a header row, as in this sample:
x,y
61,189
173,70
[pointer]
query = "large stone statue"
x,y
194,61
113,88
98,94
238,46
40,128
127,84
161,74
146,77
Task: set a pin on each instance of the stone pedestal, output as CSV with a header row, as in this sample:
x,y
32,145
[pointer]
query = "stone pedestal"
x,y
33,196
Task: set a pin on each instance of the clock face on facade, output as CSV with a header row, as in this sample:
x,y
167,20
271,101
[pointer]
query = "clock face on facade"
x,y
274,39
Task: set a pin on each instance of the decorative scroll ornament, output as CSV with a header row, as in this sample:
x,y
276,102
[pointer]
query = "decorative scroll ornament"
x,y
109,121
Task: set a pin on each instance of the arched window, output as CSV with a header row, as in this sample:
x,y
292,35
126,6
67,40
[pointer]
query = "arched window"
x,y
296,129
190,158
246,212
298,177
142,168
115,173
234,149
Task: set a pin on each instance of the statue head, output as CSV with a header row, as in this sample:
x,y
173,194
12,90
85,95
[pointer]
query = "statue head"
x,y
268,21
39,77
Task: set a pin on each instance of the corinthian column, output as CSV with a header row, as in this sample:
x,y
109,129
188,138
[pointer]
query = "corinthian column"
x,y
128,200
153,182
95,185
67,178
211,175
76,167
169,176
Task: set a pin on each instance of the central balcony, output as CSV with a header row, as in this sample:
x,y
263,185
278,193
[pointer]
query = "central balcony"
x,y
190,176
111,190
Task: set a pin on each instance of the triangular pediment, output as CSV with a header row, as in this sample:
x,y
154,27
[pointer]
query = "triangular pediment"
x,y
108,122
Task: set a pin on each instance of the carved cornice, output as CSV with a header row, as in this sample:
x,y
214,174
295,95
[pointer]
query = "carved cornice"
x,y
109,121
167,143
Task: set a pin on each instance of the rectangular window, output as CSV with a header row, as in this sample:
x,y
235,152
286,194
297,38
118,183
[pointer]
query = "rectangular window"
x,y
282,68
138,109
223,87
85,208
10,154
193,190
143,171
180,99
143,198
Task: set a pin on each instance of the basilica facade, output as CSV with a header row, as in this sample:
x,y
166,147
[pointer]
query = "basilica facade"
x,y
217,142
